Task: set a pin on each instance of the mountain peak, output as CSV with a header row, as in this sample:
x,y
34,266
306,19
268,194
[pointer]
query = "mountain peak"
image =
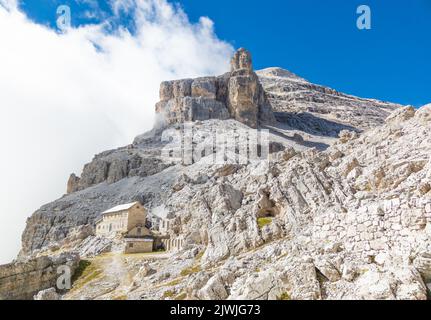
x,y
277,72
237,94
241,60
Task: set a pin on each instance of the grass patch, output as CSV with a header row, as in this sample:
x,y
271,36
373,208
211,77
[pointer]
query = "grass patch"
x,y
191,270
92,276
181,296
86,272
122,297
284,296
200,255
82,266
262,222
362,271
168,294
174,283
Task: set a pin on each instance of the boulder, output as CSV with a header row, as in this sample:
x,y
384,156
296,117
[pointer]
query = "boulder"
x,y
48,294
327,269
424,114
213,290
401,114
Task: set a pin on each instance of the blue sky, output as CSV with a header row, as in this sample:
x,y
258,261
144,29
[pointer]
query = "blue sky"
x,y
318,40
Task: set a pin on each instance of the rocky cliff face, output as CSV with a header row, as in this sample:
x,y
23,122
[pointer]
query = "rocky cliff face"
x,y
318,109
238,95
352,222
24,280
341,208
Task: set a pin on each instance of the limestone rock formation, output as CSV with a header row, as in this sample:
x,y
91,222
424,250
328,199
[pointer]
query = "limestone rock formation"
x,y
115,165
353,227
241,61
23,280
48,294
238,95
340,208
73,183
190,100
318,109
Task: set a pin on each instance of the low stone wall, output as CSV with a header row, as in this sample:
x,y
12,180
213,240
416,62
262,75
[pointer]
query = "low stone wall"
x,y
22,280
138,246
174,244
401,225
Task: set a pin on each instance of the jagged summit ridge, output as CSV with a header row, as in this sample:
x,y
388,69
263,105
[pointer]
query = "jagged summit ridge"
x,y
277,72
298,102
268,96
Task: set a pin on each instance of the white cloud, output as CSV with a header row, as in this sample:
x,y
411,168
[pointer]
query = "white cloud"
x,y
62,101
8,4
125,5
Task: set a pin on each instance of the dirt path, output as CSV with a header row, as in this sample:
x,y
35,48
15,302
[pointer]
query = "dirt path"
x,y
109,276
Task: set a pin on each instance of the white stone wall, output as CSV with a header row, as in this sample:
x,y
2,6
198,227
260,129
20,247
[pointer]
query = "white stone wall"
x,y
174,244
164,226
112,224
401,224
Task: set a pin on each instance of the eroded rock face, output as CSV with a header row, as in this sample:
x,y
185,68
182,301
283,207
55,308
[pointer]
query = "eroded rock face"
x,y
247,100
241,61
315,108
190,100
48,295
238,95
351,222
73,183
115,165
23,280
347,221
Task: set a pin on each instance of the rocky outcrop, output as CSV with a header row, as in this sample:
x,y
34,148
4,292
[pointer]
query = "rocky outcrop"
x,y
23,280
73,183
340,209
247,100
238,95
48,295
115,165
191,100
59,222
351,222
318,109
315,225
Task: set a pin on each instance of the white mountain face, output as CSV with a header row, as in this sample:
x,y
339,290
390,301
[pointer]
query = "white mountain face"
x,y
341,208
298,103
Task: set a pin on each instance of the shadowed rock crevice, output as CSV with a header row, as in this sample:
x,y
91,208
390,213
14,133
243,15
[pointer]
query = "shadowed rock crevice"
x,y
312,124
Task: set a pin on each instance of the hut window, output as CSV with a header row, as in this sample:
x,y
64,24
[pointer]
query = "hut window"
x,y
130,245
